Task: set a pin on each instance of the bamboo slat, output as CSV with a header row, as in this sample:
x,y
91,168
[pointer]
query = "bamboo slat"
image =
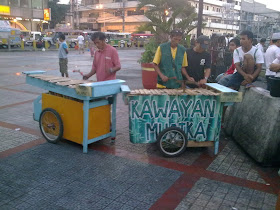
x,y
71,82
40,76
61,79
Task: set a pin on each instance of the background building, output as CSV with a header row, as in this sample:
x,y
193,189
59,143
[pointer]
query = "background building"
x,y
219,16
110,15
257,18
24,14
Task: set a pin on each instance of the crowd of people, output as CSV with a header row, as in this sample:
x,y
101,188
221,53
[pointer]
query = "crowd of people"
x,y
209,56
205,57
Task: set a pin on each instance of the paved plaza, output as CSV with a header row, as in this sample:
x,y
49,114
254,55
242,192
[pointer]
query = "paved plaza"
x,y
35,174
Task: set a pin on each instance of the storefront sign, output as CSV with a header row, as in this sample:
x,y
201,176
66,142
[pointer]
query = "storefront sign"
x,y
4,10
47,14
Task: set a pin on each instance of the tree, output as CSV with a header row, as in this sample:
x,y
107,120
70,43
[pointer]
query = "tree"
x,y
58,12
166,15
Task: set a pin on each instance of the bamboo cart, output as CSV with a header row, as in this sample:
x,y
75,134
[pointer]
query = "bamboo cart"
x,y
77,110
176,118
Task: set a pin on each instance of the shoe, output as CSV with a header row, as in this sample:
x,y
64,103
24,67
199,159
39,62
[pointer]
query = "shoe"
x,y
249,85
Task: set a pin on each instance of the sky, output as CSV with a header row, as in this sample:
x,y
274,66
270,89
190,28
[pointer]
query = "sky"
x,y
271,4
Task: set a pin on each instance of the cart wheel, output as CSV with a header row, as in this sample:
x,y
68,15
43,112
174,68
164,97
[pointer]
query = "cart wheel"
x,y
51,125
172,141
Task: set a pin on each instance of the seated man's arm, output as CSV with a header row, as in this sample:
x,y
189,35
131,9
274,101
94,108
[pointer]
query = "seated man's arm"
x,y
247,77
259,61
274,67
257,71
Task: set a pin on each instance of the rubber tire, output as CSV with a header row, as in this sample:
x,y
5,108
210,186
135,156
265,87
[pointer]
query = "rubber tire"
x,y
162,133
59,137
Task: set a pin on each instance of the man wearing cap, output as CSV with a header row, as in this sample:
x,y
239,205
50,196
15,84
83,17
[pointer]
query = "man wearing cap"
x,y
198,70
170,61
248,61
270,55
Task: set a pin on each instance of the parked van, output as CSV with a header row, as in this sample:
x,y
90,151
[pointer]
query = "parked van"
x,y
8,33
34,35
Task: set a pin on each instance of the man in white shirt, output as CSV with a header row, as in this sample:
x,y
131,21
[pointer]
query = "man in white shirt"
x,y
270,56
275,66
260,45
81,43
248,61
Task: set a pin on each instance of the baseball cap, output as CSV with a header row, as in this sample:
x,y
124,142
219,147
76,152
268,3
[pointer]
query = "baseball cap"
x,y
275,36
201,39
176,32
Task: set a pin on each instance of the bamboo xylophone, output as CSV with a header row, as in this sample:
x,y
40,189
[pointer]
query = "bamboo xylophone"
x,y
63,81
196,91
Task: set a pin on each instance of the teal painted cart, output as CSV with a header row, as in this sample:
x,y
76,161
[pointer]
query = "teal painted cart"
x,y
176,118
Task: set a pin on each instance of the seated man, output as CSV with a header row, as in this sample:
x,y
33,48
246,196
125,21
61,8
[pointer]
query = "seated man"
x,y
225,77
248,61
170,61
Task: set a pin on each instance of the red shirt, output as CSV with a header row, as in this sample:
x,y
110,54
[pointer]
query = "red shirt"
x,y
231,69
105,59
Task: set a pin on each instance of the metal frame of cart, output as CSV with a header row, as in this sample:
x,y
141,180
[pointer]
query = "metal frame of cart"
x,y
82,97
176,119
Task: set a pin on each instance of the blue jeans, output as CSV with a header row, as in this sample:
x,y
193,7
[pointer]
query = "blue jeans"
x,y
224,80
235,80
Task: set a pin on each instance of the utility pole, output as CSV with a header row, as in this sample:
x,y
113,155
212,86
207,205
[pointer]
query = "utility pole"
x,y
240,17
199,21
77,15
71,14
123,15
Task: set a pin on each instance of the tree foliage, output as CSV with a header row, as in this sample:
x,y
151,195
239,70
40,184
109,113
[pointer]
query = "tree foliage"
x,y
180,15
58,12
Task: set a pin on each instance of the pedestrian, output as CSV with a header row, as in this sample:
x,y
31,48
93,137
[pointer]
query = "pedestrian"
x,y
255,42
81,40
199,62
248,61
62,55
261,45
192,41
106,59
270,55
224,77
170,61
227,40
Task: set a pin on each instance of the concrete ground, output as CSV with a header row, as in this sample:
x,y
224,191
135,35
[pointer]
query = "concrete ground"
x,y
35,174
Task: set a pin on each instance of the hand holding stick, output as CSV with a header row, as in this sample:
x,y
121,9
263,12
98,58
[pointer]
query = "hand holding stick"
x,y
81,73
